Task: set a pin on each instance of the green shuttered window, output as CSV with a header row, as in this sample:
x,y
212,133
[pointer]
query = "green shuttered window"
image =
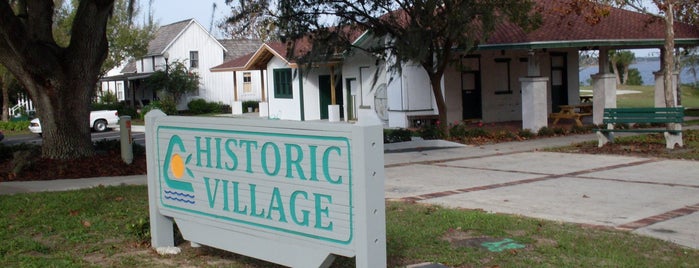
x,y
282,84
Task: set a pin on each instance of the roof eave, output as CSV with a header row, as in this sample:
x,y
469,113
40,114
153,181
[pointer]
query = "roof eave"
x,y
641,43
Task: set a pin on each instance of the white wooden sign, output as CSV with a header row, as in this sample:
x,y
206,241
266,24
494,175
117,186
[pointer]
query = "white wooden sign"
x,y
292,193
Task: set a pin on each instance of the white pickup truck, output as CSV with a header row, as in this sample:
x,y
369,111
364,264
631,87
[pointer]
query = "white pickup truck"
x,y
99,121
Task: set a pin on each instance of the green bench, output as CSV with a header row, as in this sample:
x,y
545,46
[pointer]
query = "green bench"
x,y
662,115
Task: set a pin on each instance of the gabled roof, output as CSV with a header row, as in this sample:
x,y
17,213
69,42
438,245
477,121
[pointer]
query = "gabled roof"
x,y
239,47
166,35
621,28
259,59
255,61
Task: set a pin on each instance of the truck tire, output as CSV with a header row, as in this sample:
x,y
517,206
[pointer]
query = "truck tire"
x,y
100,125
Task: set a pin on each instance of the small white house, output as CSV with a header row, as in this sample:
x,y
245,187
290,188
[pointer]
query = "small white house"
x,y
287,90
187,42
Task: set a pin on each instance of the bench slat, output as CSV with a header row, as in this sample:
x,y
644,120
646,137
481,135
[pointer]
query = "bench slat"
x,y
643,115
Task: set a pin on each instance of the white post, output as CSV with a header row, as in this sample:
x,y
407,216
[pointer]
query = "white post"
x,y
371,225
237,108
334,113
162,232
603,95
660,88
534,103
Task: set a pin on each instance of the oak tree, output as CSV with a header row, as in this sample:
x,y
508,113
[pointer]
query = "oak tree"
x,y
58,71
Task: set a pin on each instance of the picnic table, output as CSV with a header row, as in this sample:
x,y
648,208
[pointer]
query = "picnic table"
x,y
574,112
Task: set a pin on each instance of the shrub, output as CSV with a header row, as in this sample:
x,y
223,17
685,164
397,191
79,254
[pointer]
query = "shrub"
x,y
634,78
477,132
253,104
457,130
504,135
525,133
581,130
559,131
396,135
106,145
14,125
545,132
201,106
198,106
108,97
167,105
430,132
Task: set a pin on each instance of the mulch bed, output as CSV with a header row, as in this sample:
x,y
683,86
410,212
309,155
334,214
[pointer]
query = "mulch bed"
x,y
101,165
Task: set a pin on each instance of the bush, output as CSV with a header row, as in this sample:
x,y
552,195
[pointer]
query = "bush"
x,y
477,132
396,135
167,105
14,125
201,106
525,133
634,78
545,132
457,130
105,145
254,104
7,152
108,97
430,132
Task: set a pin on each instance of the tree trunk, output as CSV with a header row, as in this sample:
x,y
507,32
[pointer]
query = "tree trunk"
x,y
5,101
616,70
626,75
669,57
436,82
64,120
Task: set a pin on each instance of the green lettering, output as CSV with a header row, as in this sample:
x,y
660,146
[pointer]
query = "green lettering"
x,y
322,210
218,153
200,151
225,196
292,208
248,153
277,159
231,154
212,197
253,204
276,204
312,153
326,164
236,205
294,162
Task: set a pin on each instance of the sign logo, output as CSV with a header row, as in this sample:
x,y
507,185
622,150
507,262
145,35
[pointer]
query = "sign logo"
x,y
174,175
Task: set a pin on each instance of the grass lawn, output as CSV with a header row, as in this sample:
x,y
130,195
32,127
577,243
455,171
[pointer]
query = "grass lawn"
x,y
646,97
105,226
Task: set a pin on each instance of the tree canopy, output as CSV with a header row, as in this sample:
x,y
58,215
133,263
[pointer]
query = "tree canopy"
x,y
426,32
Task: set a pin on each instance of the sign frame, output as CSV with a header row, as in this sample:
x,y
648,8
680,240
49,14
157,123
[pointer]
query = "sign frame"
x,y
335,207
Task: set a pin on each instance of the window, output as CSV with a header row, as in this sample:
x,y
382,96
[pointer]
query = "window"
x,y
502,72
193,59
282,84
247,82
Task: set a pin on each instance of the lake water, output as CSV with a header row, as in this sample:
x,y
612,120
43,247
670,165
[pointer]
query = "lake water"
x,y
646,68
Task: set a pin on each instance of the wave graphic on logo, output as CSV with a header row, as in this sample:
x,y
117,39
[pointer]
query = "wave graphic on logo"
x,y
179,197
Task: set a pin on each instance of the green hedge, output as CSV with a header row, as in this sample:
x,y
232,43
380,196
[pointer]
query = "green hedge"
x,y
14,125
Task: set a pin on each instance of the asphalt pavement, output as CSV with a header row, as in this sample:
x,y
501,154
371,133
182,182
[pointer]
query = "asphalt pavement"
x,y
649,196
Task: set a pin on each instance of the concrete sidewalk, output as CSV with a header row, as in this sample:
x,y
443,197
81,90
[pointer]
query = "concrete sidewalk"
x,y
649,196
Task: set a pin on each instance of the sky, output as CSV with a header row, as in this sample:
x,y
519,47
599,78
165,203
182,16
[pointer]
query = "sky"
x,y
169,11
